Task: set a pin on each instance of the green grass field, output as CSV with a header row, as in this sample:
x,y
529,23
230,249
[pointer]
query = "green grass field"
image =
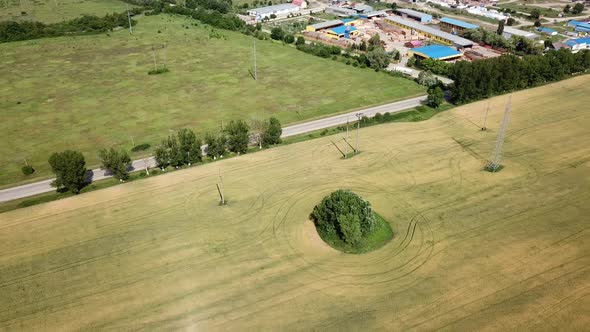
x,y
547,12
472,250
93,91
51,11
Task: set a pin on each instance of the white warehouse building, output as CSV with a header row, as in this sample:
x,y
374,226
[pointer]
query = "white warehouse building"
x,y
281,10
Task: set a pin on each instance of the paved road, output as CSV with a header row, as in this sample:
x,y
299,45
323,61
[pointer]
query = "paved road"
x,y
342,118
137,165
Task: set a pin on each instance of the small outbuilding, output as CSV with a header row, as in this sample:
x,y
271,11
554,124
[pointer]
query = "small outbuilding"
x,y
300,3
413,44
547,31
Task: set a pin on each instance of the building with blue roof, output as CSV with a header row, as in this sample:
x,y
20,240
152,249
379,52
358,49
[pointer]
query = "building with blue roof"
x,y
547,31
578,44
579,26
454,26
438,52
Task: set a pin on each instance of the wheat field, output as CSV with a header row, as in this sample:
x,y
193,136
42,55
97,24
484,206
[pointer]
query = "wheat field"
x,y
471,251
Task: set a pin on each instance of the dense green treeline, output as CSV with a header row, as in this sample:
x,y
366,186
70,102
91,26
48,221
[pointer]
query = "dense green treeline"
x,y
222,6
484,78
15,31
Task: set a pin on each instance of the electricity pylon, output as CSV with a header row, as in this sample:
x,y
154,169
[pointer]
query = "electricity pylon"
x,y
494,163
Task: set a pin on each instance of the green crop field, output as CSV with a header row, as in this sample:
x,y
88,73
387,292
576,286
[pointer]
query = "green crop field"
x,y
471,250
51,11
94,91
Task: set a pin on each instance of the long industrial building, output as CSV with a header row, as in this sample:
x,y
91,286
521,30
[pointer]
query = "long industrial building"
x,y
455,27
324,25
262,13
510,31
416,15
433,34
579,26
437,52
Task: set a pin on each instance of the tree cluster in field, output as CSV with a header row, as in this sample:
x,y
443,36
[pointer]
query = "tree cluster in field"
x,y
181,149
222,6
437,67
319,49
277,33
117,162
375,57
14,31
435,88
27,170
184,148
435,96
157,71
344,215
484,78
210,17
516,44
70,170
577,9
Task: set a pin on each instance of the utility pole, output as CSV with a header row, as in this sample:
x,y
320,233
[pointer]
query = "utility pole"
x,y
494,163
154,57
145,164
346,135
129,19
342,153
358,115
164,50
220,188
485,119
255,73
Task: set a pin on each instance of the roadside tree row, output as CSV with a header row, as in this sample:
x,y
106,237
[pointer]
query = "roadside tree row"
x,y
182,148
